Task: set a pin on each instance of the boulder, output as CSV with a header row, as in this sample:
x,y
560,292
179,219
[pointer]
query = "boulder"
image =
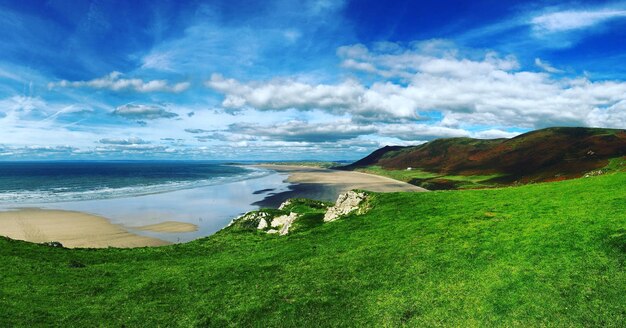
x,y
284,221
346,203
262,224
284,204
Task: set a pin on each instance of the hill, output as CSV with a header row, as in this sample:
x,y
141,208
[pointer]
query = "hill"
x,y
544,155
494,257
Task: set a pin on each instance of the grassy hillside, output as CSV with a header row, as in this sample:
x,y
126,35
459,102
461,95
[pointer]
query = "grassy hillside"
x,y
537,255
544,155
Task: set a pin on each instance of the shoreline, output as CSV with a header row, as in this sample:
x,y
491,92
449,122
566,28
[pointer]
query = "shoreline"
x,y
136,221
71,228
326,184
158,219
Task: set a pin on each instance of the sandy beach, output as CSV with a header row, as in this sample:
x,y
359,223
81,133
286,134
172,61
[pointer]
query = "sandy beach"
x,y
72,229
72,226
325,184
347,180
169,227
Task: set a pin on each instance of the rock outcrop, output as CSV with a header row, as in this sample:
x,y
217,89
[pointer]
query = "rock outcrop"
x,y
262,224
269,221
281,221
346,203
284,204
284,222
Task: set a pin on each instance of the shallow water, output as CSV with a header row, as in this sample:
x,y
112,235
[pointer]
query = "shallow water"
x,y
37,182
210,207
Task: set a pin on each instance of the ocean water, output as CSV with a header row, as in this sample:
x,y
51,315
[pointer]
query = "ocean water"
x,y
134,194
37,182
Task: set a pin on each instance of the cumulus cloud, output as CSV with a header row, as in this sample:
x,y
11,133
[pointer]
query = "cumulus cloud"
x,y
228,137
495,134
302,131
491,90
573,20
35,151
143,112
611,117
115,82
420,132
130,148
381,101
434,57
196,131
123,141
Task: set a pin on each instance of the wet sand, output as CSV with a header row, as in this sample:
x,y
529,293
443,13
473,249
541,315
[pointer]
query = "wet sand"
x,y
169,227
72,229
326,184
179,216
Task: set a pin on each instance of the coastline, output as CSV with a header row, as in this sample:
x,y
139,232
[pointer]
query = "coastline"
x,y
136,221
70,228
326,184
182,215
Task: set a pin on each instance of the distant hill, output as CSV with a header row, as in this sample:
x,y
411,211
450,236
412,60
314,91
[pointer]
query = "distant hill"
x,y
544,155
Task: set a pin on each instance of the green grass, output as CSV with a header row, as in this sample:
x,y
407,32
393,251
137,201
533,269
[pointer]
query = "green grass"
x,y
616,165
549,254
401,175
320,164
472,181
424,179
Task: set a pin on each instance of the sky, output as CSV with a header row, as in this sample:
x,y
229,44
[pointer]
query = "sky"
x,y
298,80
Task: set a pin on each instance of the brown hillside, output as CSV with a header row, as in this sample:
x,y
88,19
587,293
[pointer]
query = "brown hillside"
x,y
542,155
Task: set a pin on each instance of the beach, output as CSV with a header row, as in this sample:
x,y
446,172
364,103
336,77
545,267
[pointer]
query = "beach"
x,y
72,229
184,215
326,184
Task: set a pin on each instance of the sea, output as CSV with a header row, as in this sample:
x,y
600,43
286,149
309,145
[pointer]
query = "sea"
x,y
208,194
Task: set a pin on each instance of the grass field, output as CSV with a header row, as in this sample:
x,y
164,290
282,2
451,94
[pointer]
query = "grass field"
x,y
549,254
424,179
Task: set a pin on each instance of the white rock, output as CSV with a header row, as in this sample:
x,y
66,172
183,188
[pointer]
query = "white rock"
x,y
284,221
346,203
272,231
262,224
284,204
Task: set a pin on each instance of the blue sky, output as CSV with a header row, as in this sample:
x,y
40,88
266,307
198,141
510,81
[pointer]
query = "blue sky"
x,y
285,79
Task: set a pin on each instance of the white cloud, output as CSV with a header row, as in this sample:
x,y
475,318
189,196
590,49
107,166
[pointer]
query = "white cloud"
x,y
420,132
573,20
143,112
487,91
196,131
611,117
115,82
22,104
383,100
158,61
546,66
302,131
494,134
123,141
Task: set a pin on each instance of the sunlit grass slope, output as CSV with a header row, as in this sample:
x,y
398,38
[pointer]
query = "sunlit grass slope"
x,y
548,254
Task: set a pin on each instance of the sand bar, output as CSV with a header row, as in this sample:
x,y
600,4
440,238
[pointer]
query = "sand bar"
x,y
169,227
343,180
72,229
